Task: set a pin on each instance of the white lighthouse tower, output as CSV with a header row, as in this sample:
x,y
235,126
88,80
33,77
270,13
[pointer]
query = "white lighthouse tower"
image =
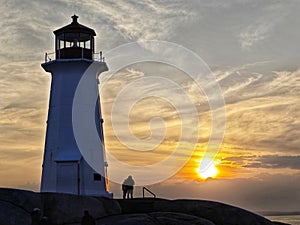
x,y
65,169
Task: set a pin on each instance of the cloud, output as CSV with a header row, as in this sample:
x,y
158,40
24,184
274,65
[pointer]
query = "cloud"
x,y
274,161
262,26
253,34
262,111
264,123
139,20
254,80
264,161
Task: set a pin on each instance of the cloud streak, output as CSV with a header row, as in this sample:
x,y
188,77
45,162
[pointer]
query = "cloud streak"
x,y
274,161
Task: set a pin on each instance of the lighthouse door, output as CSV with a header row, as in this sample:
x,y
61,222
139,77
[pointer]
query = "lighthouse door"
x,y
67,177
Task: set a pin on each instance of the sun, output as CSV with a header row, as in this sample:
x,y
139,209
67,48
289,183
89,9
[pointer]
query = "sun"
x,y
207,172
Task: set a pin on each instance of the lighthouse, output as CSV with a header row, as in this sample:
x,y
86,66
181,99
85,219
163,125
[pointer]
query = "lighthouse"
x,y
65,169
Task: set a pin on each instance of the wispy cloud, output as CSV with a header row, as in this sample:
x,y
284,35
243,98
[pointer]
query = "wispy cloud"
x,y
275,161
253,34
261,28
266,161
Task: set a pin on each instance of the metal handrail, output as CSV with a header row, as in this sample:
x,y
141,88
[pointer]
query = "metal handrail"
x,y
97,56
100,56
47,56
144,188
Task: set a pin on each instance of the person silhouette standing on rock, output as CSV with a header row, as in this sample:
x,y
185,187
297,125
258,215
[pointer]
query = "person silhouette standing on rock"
x,y
87,219
124,188
129,183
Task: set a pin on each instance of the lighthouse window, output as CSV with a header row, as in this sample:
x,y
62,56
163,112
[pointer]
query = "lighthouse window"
x,y
87,44
97,176
68,44
61,44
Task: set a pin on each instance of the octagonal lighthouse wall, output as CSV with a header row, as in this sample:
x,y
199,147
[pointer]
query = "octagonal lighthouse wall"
x,y
65,168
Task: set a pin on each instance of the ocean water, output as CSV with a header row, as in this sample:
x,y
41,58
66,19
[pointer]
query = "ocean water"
x,y
290,219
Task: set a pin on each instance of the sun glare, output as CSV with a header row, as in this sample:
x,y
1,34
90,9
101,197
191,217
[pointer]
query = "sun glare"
x,y
210,172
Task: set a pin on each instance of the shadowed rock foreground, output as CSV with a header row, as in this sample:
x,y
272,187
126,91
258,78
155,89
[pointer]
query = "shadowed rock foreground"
x,y
16,206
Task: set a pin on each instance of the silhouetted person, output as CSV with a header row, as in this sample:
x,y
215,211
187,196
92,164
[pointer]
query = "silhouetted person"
x,y
129,182
124,189
35,216
87,219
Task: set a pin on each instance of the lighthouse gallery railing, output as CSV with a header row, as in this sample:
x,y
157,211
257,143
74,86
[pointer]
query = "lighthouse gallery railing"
x,y
97,56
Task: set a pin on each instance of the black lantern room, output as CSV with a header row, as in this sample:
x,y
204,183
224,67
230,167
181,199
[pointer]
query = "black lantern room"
x,y
74,41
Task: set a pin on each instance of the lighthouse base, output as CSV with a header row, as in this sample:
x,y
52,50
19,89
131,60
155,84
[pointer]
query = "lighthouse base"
x,y
75,177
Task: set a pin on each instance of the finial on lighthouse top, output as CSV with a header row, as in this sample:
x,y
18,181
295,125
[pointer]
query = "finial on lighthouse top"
x,y
74,17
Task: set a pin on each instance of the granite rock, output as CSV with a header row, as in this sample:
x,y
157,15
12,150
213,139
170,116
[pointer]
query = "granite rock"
x,y
11,214
218,213
16,206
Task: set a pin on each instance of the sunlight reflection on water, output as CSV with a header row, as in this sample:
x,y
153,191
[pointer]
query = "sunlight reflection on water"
x,y
289,219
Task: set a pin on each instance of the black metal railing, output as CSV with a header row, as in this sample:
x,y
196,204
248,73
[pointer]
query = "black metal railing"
x,y
49,56
146,189
97,56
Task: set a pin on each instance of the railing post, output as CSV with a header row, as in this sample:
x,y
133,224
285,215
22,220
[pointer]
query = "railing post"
x,y
144,188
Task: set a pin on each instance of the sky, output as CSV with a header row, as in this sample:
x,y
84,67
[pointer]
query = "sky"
x,y
252,48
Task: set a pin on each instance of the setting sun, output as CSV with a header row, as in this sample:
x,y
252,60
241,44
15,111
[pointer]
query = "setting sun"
x,y
209,172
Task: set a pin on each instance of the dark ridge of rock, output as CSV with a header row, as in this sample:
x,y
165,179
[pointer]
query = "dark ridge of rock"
x,y
154,219
218,213
16,205
280,223
179,218
66,208
26,200
112,206
128,219
11,214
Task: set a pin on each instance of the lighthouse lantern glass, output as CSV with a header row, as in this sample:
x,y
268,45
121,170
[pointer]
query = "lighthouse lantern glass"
x,y
74,45
69,40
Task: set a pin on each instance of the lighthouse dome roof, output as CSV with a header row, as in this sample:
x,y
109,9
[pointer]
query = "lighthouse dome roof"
x,y
75,27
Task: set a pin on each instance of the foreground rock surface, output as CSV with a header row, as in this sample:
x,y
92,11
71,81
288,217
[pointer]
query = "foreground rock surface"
x,y
218,213
154,218
16,206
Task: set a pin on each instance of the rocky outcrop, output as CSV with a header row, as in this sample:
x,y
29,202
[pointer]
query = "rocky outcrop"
x,y
179,218
279,223
16,206
218,213
11,214
26,200
65,208
154,219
